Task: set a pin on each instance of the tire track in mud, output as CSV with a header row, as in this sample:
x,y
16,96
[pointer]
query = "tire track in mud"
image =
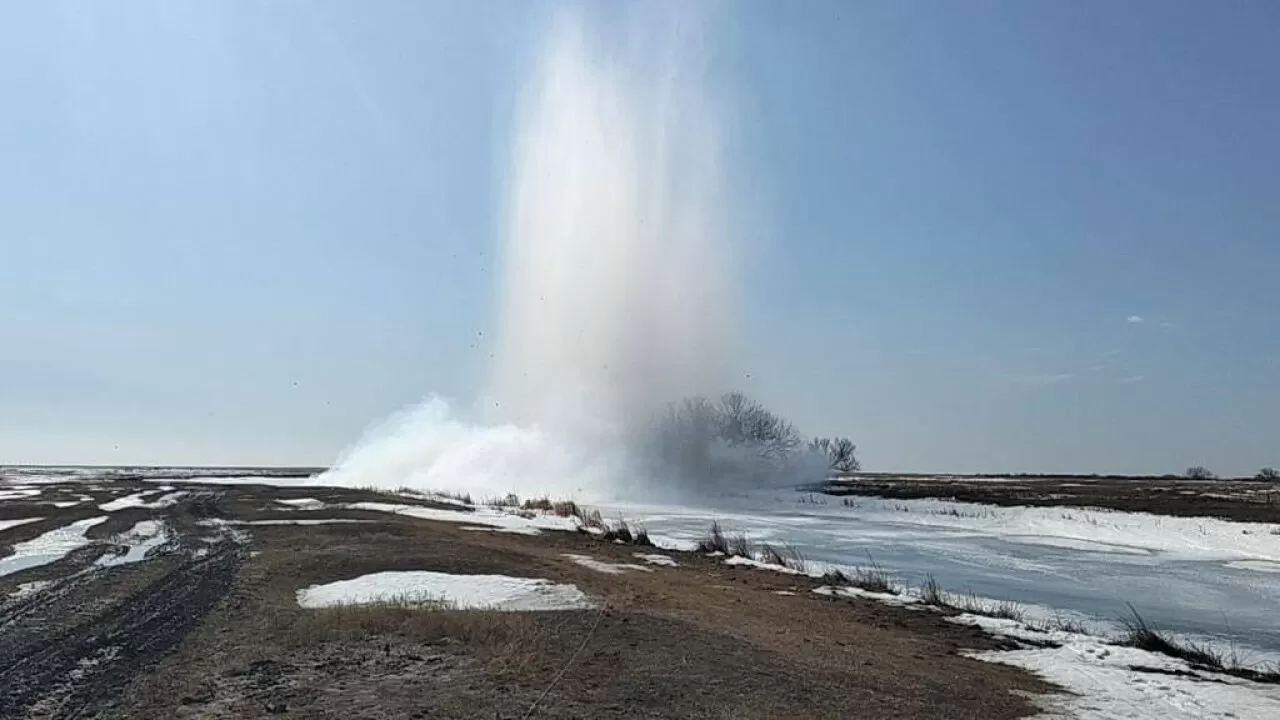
x,y
79,668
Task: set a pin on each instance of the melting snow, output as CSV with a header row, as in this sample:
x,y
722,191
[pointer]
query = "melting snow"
x,y
855,592
739,560
49,547
1106,687
304,521
507,522
142,539
6,524
128,501
483,592
19,494
605,567
305,503
657,559
28,589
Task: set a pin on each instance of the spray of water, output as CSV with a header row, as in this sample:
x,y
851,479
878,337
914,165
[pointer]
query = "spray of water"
x,y
618,279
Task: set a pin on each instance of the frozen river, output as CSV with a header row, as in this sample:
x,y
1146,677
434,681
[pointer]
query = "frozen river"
x,y
1194,576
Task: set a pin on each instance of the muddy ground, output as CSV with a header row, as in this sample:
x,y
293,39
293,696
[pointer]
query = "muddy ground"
x,y
1245,501
207,626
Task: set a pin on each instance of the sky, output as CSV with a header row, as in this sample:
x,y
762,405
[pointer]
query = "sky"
x,y
978,236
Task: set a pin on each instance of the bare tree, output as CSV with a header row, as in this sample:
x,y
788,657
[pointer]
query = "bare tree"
x,y
1200,472
1268,474
841,453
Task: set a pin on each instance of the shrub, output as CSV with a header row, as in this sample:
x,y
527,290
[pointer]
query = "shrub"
x,y
1268,474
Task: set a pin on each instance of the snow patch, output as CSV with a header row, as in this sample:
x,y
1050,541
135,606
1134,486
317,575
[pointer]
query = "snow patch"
x,y
6,524
128,501
657,559
506,521
304,521
607,568
27,589
19,494
463,592
49,547
1106,687
739,560
142,539
856,592
305,503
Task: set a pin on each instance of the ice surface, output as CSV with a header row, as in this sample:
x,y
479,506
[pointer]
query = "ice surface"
x,y
142,539
1183,574
1255,565
607,568
49,547
484,592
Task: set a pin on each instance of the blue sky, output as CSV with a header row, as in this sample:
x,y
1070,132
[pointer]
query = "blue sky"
x,y
985,235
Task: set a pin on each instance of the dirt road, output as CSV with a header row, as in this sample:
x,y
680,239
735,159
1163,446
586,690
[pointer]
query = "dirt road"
x,y
208,626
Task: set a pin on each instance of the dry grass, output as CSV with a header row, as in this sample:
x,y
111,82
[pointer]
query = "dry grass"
x,y
714,541
931,593
505,641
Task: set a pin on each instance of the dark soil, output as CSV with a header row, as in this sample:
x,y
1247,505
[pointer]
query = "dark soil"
x,y
210,628
1243,501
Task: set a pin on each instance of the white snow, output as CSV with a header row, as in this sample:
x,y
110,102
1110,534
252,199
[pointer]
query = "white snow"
x,y
28,589
142,539
856,592
607,568
128,501
657,559
17,494
62,504
739,560
1106,687
6,524
507,521
49,547
483,592
304,521
136,500
305,503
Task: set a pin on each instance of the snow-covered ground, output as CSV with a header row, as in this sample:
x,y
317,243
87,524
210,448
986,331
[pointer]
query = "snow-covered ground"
x,y
485,592
1106,686
49,547
1200,577
490,517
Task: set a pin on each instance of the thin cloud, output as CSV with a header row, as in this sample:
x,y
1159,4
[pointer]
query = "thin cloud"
x,y
1132,379
1135,319
1044,379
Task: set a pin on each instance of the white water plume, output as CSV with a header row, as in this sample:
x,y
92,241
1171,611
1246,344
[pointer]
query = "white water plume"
x,y
618,284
